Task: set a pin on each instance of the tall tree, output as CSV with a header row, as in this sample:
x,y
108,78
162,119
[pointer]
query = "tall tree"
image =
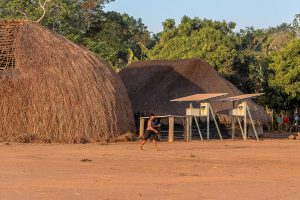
x,y
117,37
296,25
66,17
285,66
213,41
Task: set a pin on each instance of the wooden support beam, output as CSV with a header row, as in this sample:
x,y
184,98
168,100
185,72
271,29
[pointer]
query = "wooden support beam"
x,y
242,132
191,128
142,127
187,135
245,124
233,128
207,127
198,127
171,129
252,122
233,122
214,118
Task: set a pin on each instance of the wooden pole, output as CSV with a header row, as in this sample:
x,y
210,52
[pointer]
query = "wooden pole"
x,y
254,129
187,129
199,131
240,125
191,128
142,127
171,129
212,113
186,137
233,122
190,123
245,123
233,127
207,129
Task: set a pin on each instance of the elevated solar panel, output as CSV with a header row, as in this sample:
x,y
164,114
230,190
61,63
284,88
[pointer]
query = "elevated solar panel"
x,y
200,97
240,97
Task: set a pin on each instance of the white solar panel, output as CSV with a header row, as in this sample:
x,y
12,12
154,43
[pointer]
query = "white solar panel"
x,y
200,97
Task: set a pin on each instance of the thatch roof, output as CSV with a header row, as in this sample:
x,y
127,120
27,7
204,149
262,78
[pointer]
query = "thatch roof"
x,y
51,88
152,84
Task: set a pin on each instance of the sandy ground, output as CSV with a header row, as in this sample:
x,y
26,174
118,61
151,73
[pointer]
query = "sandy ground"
x,y
268,169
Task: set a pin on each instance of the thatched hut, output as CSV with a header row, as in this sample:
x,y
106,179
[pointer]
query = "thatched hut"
x,y
53,89
152,84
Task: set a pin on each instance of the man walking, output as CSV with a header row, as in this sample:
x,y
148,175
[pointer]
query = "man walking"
x,y
150,133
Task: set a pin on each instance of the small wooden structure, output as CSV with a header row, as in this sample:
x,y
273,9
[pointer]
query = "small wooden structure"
x,y
205,110
241,111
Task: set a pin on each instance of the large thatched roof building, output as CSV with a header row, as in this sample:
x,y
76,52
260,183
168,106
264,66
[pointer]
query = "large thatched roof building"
x,y
51,88
152,84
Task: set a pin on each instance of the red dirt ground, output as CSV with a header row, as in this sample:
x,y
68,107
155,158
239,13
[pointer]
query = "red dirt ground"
x,y
268,169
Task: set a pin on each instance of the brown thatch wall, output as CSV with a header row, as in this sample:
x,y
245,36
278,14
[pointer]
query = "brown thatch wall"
x,y
152,84
58,90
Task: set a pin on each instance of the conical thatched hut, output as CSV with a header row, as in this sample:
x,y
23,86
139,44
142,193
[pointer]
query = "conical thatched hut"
x,y
152,84
53,89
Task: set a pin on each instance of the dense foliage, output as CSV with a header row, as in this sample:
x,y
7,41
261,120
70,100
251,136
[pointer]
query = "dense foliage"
x,y
285,72
216,43
118,38
67,17
256,60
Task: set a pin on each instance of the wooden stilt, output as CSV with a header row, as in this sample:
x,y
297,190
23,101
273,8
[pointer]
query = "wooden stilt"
x,y
245,124
191,137
240,125
233,123
233,127
255,132
212,113
191,125
188,129
142,127
171,129
199,131
207,128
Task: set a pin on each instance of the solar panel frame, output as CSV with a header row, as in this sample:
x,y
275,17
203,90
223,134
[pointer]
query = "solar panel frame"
x,y
199,97
242,97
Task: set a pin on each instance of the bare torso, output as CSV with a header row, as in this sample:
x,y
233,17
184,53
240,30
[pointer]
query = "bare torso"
x,y
149,125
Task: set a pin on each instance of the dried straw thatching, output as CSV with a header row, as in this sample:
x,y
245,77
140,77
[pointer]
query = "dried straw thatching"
x,y
53,89
152,84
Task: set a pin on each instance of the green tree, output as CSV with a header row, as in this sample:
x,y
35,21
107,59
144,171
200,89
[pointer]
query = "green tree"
x,y
169,24
253,67
119,38
285,66
241,57
66,17
213,41
296,25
